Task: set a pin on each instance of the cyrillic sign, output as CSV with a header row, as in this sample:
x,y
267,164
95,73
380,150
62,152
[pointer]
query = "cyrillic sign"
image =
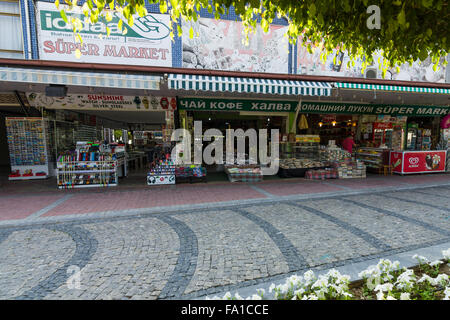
x,y
376,109
236,105
147,42
208,104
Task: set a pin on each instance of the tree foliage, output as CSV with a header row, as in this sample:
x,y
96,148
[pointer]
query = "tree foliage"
x,y
409,30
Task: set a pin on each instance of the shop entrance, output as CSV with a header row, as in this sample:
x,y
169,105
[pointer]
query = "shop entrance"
x,y
237,120
88,140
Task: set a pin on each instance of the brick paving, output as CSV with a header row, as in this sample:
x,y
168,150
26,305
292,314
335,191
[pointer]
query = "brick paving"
x,y
187,241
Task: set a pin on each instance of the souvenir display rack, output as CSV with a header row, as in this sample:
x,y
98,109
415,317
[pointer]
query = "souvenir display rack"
x,y
28,148
162,173
86,167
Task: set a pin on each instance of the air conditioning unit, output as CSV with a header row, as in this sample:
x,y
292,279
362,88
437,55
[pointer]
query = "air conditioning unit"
x,y
371,73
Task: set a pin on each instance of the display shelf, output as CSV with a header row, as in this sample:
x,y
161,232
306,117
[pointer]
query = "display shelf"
x,y
374,158
82,174
28,147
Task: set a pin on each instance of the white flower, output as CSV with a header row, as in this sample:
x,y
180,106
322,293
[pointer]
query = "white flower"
x,y
309,276
442,279
380,295
272,286
238,297
405,296
300,292
447,293
405,280
446,254
312,297
254,297
390,298
322,282
346,294
227,295
427,278
384,287
421,259
435,263
284,288
261,291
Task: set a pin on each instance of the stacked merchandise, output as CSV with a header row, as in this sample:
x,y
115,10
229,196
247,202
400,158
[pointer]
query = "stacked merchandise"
x,y
190,174
244,173
351,169
334,154
27,145
298,167
162,173
322,174
87,167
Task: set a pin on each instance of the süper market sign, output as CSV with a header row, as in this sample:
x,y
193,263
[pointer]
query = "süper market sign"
x,y
374,109
147,42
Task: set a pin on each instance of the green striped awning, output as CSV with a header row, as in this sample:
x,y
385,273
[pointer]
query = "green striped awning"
x,y
72,78
248,85
380,87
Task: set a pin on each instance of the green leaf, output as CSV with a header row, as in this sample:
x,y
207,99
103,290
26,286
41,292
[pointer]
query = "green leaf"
x,y
163,6
401,18
312,9
191,32
427,3
264,25
63,16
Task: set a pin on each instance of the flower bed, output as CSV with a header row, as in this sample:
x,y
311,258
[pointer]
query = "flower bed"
x,y
385,281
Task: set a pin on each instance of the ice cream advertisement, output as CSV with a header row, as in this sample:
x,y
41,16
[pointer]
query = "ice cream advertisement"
x,y
418,161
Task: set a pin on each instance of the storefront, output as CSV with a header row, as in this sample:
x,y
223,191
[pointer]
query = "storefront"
x,y
226,105
89,132
383,133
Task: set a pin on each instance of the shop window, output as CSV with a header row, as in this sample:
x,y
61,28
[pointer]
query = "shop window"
x,y
11,40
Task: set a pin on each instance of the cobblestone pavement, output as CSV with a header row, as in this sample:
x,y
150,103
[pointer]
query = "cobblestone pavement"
x,y
190,251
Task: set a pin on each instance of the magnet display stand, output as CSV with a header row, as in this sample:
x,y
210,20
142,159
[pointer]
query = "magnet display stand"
x,y
27,144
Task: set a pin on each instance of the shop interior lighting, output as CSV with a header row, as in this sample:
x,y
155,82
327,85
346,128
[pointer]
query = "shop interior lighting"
x,y
320,124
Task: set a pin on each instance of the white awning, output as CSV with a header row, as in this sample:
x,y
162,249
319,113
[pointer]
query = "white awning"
x,y
248,85
393,88
76,78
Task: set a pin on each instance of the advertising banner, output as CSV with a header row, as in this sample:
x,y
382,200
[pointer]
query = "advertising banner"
x,y
236,105
418,161
219,45
102,102
145,43
375,109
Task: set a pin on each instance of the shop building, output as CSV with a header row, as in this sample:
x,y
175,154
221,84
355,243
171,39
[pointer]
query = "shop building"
x,y
136,95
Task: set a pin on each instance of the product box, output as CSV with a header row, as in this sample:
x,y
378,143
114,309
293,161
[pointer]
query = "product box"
x,y
160,179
